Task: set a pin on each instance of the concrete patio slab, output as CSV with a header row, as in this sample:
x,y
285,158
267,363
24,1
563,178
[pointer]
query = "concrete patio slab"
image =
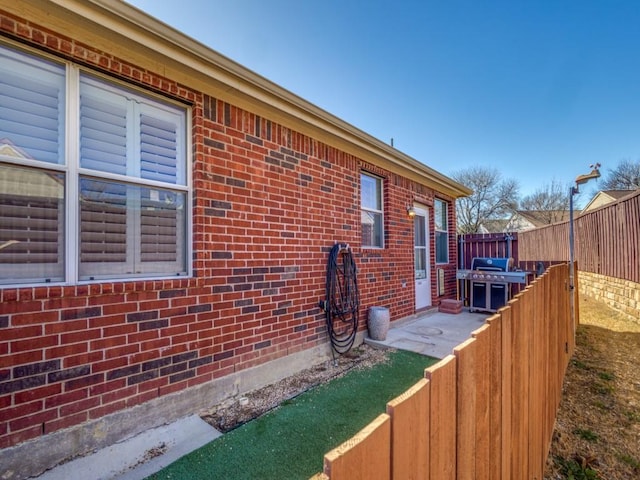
x,y
431,333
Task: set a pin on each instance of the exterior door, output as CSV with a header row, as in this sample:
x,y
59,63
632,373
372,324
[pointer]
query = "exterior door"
x,y
422,266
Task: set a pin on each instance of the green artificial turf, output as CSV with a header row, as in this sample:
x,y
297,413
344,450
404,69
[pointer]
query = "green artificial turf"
x,y
290,441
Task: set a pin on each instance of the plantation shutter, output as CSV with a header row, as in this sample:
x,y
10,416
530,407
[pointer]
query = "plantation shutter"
x,y
159,147
103,130
127,228
159,227
103,222
32,225
32,99
32,109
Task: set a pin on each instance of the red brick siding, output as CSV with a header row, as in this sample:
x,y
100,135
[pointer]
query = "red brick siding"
x,y
268,204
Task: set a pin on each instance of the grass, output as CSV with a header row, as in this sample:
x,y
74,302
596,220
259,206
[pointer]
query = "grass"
x,y
602,389
577,469
631,461
580,364
596,427
586,434
608,376
290,442
632,415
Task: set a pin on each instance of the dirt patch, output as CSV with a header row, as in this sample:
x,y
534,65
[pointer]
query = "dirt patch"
x,y
597,434
237,411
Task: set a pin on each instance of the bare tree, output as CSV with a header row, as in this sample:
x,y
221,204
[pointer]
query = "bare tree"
x,y
492,197
626,176
550,202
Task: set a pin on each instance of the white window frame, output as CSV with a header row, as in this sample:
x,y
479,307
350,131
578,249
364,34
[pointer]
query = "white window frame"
x,y
73,172
438,229
373,211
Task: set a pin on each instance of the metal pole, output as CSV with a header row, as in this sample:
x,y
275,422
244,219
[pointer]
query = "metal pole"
x,y
509,238
580,179
572,192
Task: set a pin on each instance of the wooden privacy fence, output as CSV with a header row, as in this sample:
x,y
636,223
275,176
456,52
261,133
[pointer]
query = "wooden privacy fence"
x,y
485,412
607,240
472,245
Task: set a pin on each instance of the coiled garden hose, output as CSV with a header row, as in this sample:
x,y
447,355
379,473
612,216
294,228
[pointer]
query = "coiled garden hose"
x,y
342,302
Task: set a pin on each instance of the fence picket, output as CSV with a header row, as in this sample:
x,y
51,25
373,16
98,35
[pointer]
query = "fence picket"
x,y
410,446
483,401
519,389
537,397
466,386
506,394
495,397
442,418
366,455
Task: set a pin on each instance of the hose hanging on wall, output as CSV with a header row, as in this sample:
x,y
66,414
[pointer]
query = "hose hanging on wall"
x,y
343,299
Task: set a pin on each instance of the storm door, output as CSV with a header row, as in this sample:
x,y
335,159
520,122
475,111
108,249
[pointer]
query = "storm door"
x,y
421,257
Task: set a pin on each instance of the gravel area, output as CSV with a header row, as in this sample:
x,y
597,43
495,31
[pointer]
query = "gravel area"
x,y
236,411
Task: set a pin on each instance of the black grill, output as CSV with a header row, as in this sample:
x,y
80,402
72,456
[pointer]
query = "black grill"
x,y
488,264
488,283
490,280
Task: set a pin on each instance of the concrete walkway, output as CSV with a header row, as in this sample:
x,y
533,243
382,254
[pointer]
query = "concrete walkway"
x,y
140,456
432,333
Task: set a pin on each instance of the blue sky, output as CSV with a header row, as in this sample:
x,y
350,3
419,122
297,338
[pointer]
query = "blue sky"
x,y
538,89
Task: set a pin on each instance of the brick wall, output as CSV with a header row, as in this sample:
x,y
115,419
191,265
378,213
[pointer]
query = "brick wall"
x,y
268,204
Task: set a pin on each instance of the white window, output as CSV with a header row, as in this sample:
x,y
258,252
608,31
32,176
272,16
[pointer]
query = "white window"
x,y
371,211
93,177
440,209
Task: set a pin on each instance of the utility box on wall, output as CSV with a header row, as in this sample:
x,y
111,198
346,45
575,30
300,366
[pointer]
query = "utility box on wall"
x,y
440,275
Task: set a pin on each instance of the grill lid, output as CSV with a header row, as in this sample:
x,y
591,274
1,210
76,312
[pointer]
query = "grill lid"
x,y
499,264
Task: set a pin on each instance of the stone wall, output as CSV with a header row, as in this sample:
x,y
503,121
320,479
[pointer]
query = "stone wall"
x,y
621,295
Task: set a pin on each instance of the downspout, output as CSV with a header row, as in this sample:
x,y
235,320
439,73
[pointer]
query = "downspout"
x,y
462,294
